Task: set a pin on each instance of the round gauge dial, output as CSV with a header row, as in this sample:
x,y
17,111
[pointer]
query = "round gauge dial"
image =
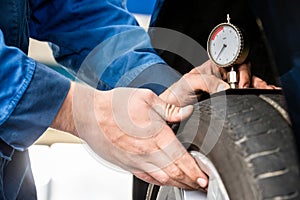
x,y
226,45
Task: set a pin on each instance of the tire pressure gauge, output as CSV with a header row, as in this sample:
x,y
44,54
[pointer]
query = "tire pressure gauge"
x,y
226,47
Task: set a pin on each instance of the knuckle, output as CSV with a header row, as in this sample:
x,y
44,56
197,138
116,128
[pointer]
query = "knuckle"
x,y
148,93
147,178
144,177
177,174
164,180
188,76
195,70
140,149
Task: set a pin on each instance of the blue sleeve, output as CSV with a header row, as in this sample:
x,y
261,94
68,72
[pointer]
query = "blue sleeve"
x,y
291,88
100,41
30,96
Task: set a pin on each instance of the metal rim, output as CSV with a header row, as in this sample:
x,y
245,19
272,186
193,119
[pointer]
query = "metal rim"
x,y
216,189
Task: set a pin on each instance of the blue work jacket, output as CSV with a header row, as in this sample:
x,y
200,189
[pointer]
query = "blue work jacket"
x,y
97,39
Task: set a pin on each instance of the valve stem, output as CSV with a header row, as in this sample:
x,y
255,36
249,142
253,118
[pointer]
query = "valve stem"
x,y
232,78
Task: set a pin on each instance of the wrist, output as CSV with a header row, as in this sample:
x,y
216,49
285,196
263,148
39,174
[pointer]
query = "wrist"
x,y
64,120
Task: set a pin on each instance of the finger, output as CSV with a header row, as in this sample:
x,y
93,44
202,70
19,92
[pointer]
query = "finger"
x,y
178,176
166,179
180,157
223,73
192,170
210,68
170,112
260,84
160,177
244,75
275,87
206,68
205,82
146,177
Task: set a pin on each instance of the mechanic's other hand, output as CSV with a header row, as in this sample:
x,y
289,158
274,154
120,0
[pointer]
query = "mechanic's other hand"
x,y
127,127
261,84
246,80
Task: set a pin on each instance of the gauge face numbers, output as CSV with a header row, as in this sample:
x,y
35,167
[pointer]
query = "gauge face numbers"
x,y
224,45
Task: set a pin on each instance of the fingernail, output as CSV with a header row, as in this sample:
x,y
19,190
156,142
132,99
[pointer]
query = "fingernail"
x,y
187,110
221,87
202,182
246,86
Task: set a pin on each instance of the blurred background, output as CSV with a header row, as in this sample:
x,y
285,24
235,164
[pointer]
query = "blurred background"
x,y
62,167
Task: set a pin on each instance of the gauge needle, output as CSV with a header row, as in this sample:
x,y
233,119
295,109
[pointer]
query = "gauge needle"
x,y
222,49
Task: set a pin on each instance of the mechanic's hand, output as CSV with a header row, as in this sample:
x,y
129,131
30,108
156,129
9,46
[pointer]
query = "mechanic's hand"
x,y
243,70
190,87
127,127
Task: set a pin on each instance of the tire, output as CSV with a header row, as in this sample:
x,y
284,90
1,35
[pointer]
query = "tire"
x,y
255,153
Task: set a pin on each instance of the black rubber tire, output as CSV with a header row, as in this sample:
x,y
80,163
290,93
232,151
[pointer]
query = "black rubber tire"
x,y
255,154
139,189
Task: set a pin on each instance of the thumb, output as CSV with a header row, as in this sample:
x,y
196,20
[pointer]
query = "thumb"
x,y
170,112
218,86
208,83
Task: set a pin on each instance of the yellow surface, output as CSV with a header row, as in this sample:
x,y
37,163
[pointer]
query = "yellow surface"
x,y
54,136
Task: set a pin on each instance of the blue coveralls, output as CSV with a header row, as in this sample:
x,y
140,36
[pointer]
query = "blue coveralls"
x,y
31,93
